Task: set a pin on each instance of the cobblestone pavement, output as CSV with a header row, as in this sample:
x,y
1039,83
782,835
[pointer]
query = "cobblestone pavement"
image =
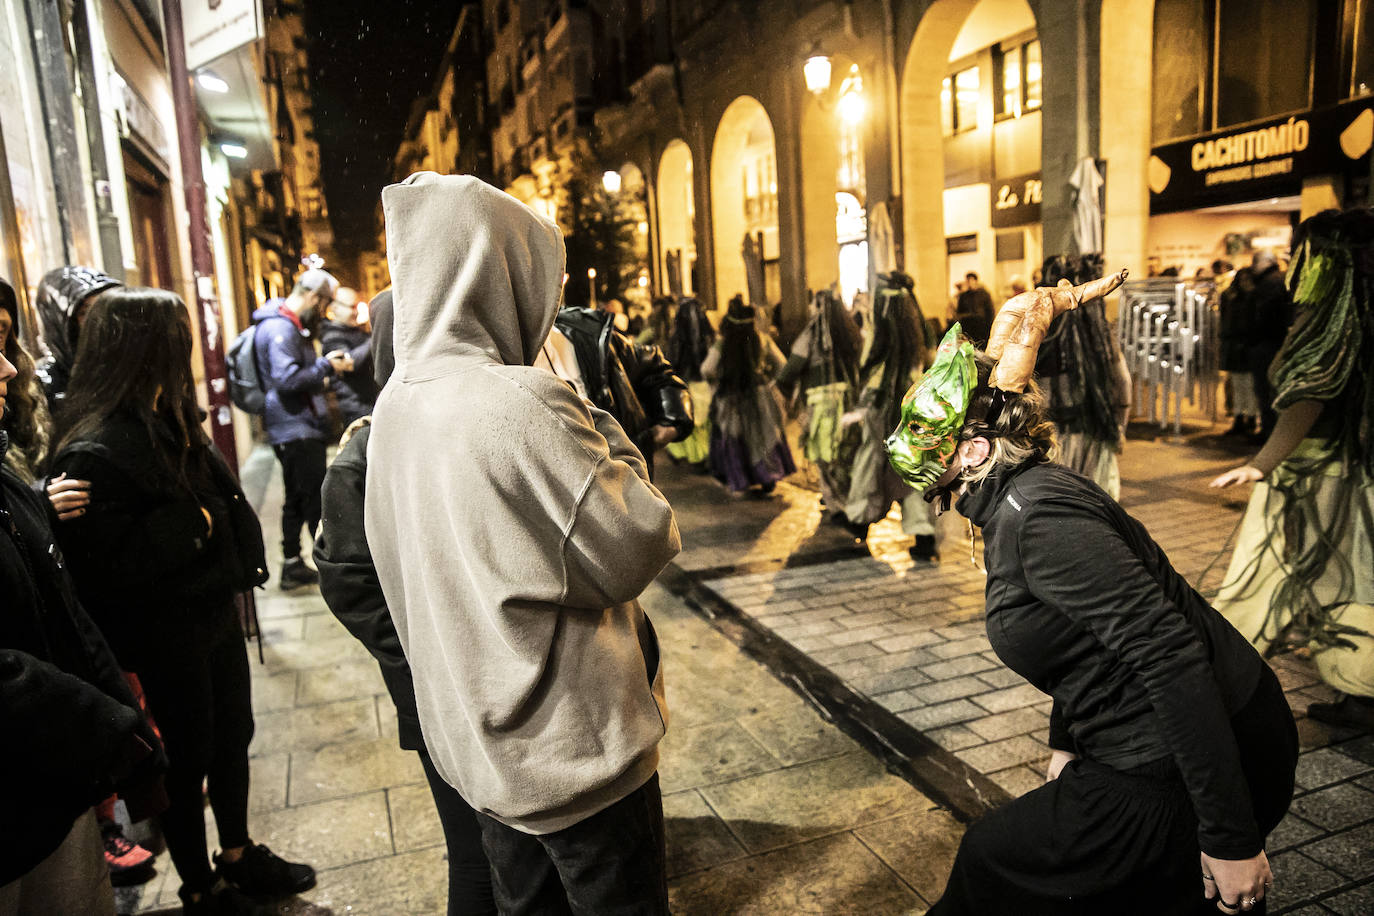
x,y
910,638
769,809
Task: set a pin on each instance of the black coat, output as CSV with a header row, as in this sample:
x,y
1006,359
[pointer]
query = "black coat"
x,y
72,730
349,583
975,315
1083,604
355,392
633,383
144,564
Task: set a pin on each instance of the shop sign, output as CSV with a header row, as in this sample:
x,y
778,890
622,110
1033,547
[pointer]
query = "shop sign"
x,y
1268,159
1016,201
215,27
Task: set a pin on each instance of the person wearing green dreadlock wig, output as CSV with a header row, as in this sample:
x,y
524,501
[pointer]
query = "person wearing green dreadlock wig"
x,y
1302,574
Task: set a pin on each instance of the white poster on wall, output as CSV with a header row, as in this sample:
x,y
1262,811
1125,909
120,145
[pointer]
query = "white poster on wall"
x,y
216,27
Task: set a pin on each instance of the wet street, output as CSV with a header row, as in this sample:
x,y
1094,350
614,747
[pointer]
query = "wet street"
x,y
768,618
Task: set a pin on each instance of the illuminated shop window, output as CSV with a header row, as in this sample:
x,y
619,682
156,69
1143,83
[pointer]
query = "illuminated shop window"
x,y
959,101
1017,72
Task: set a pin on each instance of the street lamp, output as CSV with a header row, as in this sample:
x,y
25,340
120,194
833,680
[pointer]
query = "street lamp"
x,y
611,182
816,70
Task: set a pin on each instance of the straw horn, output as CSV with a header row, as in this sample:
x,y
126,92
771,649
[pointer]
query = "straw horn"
x,y
1021,325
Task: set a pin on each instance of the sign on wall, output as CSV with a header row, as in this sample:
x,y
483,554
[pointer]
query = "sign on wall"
x,y
1268,159
1016,201
216,27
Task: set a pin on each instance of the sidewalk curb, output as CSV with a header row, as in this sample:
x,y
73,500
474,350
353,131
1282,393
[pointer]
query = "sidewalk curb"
x,y
904,750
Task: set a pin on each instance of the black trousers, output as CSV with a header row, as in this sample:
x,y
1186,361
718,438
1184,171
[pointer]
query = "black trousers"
x,y
469,872
302,471
614,863
201,699
1098,840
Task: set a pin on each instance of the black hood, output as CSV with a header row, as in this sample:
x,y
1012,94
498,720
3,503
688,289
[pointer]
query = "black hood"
x,y
60,294
383,351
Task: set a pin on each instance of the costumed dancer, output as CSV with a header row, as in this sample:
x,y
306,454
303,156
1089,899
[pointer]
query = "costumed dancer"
x,y
1301,571
1174,748
824,365
748,436
1083,372
894,355
689,340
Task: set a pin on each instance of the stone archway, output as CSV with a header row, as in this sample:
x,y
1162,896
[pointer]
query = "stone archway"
x,y
676,217
923,142
744,197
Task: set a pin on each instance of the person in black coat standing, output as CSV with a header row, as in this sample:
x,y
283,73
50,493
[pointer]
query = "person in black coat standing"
x,y
158,554
349,584
354,389
974,310
73,731
1271,313
632,382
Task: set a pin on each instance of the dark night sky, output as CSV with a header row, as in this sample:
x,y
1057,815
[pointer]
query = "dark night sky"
x,y
370,60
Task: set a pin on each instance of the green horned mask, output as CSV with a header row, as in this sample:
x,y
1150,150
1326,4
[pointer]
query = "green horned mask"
x,y
933,412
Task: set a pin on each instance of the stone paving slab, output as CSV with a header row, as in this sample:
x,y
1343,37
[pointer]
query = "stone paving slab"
x,y
909,637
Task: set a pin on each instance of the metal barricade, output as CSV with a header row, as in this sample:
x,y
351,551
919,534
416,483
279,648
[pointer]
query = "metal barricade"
x,y
1168,332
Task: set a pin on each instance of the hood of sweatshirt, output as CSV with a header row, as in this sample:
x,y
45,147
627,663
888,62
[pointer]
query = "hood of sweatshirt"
x,y
475,275
60,295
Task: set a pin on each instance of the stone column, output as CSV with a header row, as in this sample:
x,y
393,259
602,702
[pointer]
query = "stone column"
x,y
1070,40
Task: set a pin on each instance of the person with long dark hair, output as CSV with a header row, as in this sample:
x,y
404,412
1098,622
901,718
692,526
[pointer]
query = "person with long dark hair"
x,y
158,555
748,439
824,367
1174,747
895,353
27,420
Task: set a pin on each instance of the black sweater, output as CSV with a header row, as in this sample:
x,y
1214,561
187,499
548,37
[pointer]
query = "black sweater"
x,y
72,730
145,565
1083,604
349,583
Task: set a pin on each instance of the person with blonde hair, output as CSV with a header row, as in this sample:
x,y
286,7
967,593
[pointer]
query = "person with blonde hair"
x,y
1174,747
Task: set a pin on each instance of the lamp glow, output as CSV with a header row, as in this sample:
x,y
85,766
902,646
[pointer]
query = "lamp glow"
x,y
211,83
852,108
234,150
817,73
611,182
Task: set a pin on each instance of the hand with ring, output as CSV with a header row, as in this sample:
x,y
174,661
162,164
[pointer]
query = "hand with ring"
x,y
1237,885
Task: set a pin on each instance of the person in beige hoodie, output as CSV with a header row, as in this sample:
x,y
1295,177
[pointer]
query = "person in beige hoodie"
x,y
513,527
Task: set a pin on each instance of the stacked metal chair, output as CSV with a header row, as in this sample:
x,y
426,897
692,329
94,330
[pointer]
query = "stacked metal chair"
x,y
1167,328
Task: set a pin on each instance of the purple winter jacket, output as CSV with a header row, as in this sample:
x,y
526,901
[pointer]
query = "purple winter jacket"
x,y
294,376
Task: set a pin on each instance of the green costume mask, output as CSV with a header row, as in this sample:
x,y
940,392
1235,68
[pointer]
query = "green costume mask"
x,y
933,413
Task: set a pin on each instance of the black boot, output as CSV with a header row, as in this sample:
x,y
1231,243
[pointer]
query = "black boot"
x,y
923,551
1347,712
1238,427
294,574
260,872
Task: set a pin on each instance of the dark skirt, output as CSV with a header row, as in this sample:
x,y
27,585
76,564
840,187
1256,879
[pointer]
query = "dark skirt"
x,y
730,463
1098,840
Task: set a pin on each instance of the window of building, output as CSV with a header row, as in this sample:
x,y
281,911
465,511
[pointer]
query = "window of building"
x,y
1182,61
1264,59
1017,74
959,101
1362,77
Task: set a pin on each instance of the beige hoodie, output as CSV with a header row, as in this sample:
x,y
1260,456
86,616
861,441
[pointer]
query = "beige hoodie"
x,y
513,527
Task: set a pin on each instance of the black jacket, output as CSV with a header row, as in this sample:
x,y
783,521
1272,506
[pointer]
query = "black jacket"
x,y
356,391
144,564
633,383
975,314
349,584
1083,604
72,730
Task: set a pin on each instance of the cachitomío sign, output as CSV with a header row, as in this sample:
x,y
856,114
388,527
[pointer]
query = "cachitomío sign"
x,y
1267,159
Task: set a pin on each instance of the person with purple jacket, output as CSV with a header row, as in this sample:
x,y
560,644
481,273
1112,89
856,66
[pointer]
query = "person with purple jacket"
x,y
296,418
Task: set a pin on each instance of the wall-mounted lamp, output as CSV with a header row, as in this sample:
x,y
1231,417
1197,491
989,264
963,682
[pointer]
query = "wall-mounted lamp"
x,y
816,70
211,83
611,182
234,150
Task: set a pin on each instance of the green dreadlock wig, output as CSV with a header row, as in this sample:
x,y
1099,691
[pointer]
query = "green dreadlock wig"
x,y
933,414
1329,354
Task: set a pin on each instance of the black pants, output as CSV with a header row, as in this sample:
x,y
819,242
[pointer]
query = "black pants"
x,y
469,873
1097,840
302,471
614,863
201,699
